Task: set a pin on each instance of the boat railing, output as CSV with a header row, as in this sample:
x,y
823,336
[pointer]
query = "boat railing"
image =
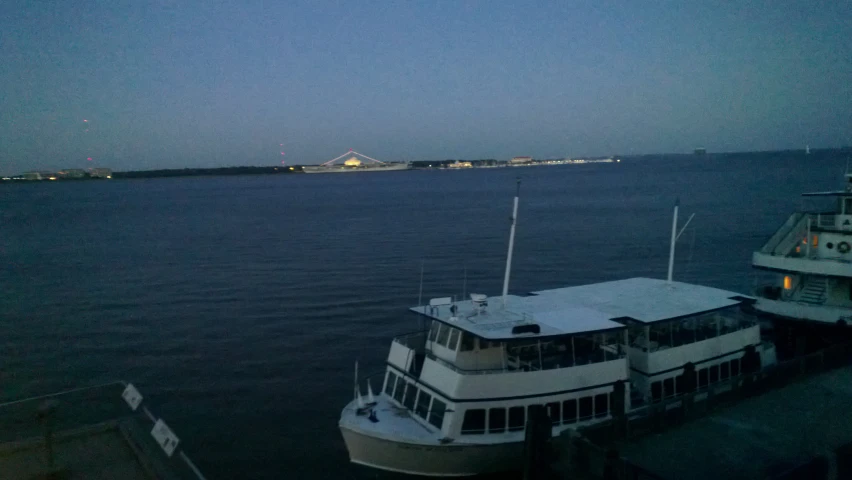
x,y
795,231
793,222
516,363
413,340
826,221
53,419
464,371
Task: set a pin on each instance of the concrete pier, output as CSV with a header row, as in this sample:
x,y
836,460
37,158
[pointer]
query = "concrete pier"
x,y
793,421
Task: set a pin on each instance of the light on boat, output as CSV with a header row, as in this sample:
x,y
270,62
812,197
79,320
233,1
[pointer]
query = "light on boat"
x,y
816,240
788,282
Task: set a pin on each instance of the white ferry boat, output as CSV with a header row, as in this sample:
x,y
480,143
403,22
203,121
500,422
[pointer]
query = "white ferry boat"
x,y
812,256
453,399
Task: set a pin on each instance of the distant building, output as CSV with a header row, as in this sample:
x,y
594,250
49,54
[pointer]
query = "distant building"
x,y
72,173
459,164
701,151
32,176
520,160
100,173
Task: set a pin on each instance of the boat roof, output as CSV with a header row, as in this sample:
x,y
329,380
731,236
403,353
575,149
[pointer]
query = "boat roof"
x,y
593,308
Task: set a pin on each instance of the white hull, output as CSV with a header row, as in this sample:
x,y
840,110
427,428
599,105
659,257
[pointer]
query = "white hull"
x,y
804,312
342,169
436,460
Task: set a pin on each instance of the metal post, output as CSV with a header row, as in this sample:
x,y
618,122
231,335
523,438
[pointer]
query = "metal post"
x,y
540,364
808,240
464,285
511,243
573,354
46,415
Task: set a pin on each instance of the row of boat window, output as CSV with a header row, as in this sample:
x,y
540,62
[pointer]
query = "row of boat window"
x,y
673,386
418,401
513,419
449,337
690,330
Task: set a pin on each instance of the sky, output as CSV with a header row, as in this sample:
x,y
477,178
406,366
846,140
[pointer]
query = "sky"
x,y
143,85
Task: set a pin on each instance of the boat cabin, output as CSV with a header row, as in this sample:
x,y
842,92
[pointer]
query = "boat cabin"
x,y
567,344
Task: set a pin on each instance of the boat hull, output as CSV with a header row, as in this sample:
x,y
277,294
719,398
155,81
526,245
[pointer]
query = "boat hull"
x,y
800,329
439,460
814,314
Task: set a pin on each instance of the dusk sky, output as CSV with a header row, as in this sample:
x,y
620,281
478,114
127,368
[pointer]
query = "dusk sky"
x,y
175,84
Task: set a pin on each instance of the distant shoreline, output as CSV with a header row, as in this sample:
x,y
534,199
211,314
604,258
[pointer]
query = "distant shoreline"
x,y
415,165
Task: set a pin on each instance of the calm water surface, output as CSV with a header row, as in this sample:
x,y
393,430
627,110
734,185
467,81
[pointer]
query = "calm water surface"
x,y
239,304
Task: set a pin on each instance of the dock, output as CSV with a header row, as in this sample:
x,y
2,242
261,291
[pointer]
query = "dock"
x,y
89,433
789,421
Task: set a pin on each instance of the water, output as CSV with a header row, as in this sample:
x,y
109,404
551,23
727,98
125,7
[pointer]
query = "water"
x,y
238,305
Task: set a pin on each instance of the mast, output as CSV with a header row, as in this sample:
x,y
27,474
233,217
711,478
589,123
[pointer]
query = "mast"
x,y
674,239
511,242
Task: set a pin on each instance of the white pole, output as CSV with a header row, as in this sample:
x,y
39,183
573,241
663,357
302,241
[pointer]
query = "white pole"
x,y
674,239
356,392
420,296
511,243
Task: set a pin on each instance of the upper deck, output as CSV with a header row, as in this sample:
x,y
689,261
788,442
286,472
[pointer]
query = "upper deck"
x,y
813,242
579,310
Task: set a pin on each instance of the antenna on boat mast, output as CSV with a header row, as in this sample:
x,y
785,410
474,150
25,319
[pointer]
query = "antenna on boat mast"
x,y
511,242
675,236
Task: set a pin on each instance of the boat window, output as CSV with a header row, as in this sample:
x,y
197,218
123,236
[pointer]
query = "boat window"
x,y
474,421
735,367
702,378
423,400
443,335
601,405
454,339
714,373
668,387
516,419
400,389
553,413
496,420
410,394
466,342
848,209
678,385
724,370
433,331
656,392
587,350
391,381
585,408
436,416
569,411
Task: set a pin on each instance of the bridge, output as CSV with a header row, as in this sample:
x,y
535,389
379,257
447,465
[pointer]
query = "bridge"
x,y
352,152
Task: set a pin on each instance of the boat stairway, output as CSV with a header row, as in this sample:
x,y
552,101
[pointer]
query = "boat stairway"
x,y
813,292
